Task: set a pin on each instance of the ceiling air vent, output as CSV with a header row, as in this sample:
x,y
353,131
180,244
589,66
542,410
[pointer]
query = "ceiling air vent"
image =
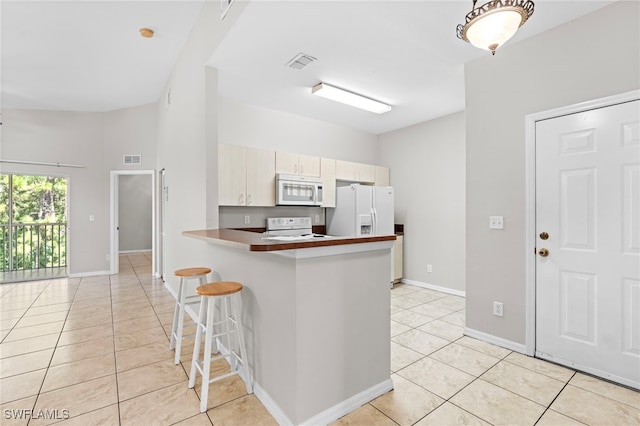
x,y
300,61
130,160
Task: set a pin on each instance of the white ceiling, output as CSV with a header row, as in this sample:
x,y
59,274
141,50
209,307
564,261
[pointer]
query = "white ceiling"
x,y
88,56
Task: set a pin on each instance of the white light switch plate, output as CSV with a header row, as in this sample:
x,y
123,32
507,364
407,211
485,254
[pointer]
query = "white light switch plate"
x,y
496,222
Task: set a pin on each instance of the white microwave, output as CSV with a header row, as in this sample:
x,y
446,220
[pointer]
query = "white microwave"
x,y
294,190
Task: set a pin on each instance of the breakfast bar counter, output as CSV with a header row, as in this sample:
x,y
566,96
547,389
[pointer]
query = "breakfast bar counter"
x,y
254,241
316,313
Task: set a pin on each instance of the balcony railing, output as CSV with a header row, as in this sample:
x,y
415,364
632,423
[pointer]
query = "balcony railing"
x,y
33,246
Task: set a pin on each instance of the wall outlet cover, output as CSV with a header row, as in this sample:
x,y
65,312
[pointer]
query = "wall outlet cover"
x,y
496,222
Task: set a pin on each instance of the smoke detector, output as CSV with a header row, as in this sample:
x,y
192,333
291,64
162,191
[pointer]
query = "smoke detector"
x,y
300,61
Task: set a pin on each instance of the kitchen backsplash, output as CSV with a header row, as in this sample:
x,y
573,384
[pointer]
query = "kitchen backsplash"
x,y
234,217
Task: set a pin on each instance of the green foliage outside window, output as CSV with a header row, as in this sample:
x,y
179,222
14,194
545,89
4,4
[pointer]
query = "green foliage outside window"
x,y
39,222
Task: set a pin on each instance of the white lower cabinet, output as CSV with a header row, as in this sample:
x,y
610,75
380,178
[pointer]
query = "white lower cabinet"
x,y
397,258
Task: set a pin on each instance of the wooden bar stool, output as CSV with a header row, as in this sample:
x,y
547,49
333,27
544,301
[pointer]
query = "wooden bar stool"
x,y
182,300
228,296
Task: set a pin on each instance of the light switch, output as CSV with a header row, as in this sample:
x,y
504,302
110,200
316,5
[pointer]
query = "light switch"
x,y
496,222
91,218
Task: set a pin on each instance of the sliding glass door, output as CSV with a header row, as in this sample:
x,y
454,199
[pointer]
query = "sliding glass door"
x,y
33,227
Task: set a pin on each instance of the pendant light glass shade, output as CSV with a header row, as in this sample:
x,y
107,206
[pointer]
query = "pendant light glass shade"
x,y
492,24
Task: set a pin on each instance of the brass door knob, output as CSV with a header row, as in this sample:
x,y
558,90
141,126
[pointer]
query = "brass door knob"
x,y
543,252
544,236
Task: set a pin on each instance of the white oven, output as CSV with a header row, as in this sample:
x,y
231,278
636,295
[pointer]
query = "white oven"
x,y
294,190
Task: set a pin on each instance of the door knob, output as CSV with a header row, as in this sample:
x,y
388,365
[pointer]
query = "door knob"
x,y
543,252
544,236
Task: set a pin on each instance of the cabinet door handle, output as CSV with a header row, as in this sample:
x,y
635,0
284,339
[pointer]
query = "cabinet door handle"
x,y
301,169
241,200
295,169
249,199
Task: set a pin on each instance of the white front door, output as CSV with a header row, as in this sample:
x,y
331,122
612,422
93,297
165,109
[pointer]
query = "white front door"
x,y
588,220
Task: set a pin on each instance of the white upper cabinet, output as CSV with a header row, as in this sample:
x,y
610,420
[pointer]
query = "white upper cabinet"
x,y
261,178
355,172
382,176
246,176
232,175
297,164
328,176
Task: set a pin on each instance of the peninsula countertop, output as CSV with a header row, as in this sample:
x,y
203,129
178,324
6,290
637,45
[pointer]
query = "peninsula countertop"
x,y
299,298
254,241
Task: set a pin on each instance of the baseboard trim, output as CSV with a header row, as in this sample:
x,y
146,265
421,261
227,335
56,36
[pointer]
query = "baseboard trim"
x,y
88,274
271,406
134,251
345,407
434,287
495,340
170,290
329,415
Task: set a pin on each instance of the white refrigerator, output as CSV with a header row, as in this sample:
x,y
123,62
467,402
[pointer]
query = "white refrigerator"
x,y
361,211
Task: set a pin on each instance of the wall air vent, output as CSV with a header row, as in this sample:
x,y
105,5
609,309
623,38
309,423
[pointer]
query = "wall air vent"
x,y
130,160
300,61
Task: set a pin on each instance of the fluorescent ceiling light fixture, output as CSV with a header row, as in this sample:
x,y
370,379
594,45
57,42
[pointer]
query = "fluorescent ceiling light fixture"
x,y
349,98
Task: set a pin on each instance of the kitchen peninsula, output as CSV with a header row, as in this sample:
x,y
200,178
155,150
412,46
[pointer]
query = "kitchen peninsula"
x,y
317,319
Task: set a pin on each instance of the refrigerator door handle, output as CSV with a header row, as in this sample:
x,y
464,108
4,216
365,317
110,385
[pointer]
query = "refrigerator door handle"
x,y
374,215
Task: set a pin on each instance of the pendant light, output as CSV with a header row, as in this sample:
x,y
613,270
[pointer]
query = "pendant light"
x,y
492,24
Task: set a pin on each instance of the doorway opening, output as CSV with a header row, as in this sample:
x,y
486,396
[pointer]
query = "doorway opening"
x,y
33,227
133,219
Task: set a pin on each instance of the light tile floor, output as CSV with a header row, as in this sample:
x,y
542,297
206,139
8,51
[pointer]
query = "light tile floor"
x,y
96,349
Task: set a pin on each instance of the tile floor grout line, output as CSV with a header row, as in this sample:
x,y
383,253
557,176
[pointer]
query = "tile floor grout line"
x,y
554,399
503,359
601,395
25,311
448,400
445,400
149,289
115,358
474,380
538,372
55,348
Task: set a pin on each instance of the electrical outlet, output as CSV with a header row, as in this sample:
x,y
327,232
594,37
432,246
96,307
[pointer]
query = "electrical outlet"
x,y
317,218
498,309
496,222
247,219
429,268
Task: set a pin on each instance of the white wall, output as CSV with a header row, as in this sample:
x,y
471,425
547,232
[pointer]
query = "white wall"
x,y
258,127
130,131
188,142
96,141
427,163
254,126
589,58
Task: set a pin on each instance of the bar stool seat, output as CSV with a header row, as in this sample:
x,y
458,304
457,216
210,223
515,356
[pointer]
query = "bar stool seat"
x,y
182,300
226,297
